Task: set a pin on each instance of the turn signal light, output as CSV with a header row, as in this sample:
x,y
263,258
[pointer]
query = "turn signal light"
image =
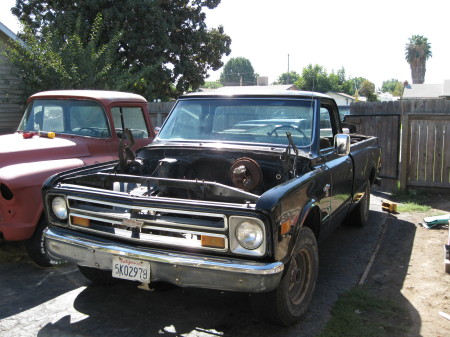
x,y
48,134
213,241
285,227
76,220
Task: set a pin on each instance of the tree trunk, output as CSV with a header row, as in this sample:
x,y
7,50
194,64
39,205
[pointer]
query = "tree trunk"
x,y
418,71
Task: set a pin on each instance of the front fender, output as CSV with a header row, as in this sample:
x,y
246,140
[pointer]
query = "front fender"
x,y
287,205
21,207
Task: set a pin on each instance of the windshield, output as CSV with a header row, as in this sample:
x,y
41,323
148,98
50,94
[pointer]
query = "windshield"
x,y
241,120
79,117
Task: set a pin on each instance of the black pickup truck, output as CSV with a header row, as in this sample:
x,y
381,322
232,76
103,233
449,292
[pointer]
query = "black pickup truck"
x,y
233,194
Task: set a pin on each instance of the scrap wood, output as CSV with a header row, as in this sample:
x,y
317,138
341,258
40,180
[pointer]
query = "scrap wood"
x,y
389,206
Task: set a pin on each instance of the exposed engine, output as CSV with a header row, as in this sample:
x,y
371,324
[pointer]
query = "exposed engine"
x,y
209,173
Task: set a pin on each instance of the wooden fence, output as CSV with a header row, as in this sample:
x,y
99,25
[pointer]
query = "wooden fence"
x,y
415,138
159,111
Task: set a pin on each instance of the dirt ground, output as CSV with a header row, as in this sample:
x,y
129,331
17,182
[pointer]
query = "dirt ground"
x,y
409,269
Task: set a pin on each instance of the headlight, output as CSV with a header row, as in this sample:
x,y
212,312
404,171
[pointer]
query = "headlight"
x,y
59,207
249,234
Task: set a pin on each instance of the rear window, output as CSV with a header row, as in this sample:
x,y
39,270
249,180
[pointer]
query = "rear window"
x,y
133,119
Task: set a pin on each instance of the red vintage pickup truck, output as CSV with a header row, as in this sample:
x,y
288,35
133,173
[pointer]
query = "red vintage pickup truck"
x,y
61,130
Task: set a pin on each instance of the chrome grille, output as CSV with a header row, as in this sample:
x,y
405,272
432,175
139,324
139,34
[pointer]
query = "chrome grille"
x,y
149,225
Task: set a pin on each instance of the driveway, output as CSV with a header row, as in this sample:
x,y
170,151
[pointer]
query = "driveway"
x,y
60,302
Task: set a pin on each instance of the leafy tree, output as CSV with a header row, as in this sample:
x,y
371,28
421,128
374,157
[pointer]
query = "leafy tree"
x,y
389,85
238,71
314,78
417,52
212,85
167,42
393,86
356,82
367,89
287,78
398,91
51,63
339,82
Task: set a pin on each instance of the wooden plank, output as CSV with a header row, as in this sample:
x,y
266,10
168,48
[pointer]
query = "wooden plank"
x,y
446,156
404,151
422,147
438,152
428,184
385,132
392,128
384,143
413,158
430,151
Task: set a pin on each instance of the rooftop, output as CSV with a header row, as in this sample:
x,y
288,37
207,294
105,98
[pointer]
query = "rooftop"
x,y
427,91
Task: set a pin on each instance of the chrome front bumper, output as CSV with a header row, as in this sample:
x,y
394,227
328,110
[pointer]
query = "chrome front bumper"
x,y
182,269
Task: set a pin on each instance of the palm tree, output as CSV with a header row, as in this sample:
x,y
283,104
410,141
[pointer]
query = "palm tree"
x,y
418,51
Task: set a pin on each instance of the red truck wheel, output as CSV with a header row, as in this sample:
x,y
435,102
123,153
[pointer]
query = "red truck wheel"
x,y
286,304
35,247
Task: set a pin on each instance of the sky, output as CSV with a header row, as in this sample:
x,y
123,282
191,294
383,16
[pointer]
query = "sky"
x,y
367,39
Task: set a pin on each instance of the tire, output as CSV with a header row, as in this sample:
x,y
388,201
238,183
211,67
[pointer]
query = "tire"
x,y
286,304
360,214
98,276
36,249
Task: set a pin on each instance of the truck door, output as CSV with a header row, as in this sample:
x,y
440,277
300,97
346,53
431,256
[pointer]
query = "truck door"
x,y
339,167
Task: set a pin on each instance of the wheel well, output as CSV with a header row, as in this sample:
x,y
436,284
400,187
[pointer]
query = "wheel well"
x,y
313,221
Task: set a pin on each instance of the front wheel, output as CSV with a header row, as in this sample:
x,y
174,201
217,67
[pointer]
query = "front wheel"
x,y
286,304
36,249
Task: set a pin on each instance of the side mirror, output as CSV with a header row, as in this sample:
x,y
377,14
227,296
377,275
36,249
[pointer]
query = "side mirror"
x,y
342,144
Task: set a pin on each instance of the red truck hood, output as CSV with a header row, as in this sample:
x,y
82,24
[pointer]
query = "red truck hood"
x,y
15,149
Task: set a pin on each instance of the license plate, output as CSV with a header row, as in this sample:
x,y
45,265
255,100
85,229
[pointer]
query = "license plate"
x,y
130,269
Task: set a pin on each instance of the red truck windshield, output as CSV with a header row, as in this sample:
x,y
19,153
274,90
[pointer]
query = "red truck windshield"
x,y
78,117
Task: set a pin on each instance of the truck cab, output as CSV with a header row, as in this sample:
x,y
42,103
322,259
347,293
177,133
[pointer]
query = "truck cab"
x,y
61,130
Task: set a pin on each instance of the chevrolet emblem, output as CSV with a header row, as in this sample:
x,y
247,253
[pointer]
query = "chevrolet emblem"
x,y
133,223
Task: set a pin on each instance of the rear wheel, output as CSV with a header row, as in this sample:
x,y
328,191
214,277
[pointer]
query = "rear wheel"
x,y
286,304
98,276
360,214
36,249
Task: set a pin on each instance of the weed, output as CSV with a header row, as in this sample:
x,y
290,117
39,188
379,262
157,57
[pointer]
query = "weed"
x,y
358,313
411,202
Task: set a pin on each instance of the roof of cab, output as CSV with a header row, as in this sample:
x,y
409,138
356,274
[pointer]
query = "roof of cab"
x,y
254,92
101,95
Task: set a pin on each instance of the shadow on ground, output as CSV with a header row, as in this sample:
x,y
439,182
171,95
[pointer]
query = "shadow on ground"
x,y
24,285
390,269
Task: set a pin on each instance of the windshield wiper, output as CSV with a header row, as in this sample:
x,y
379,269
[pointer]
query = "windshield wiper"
x,y
289,165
